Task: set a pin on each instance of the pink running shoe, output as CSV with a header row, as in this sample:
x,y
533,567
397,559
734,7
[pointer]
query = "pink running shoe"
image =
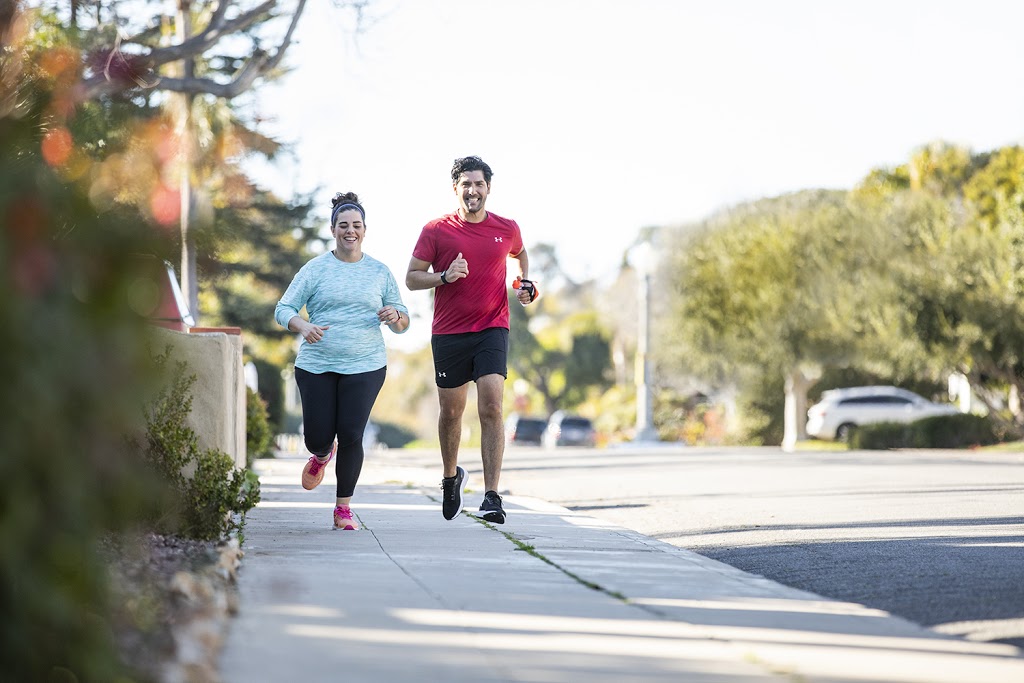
x,y
343,518
313,472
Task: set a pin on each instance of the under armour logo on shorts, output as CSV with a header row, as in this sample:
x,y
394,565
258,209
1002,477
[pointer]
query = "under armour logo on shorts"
x,y
441,374
497,239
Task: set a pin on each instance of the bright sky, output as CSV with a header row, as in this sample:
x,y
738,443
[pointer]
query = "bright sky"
x,y
601,117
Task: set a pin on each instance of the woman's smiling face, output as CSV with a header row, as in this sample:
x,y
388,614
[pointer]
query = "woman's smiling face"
x,y
349,231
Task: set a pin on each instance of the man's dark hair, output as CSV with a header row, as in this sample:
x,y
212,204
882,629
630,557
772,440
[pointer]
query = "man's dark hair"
x,y
467,164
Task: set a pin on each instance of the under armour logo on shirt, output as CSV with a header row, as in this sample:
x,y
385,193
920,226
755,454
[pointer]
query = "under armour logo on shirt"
x,y
497,239
441,374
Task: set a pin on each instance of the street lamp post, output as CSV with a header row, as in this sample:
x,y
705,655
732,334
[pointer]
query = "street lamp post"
x,y
642,258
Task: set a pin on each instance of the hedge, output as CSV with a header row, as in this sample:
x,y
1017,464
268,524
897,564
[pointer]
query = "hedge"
x,y
942,431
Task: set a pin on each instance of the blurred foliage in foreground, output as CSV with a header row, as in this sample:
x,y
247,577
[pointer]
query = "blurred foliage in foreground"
x,y
74,355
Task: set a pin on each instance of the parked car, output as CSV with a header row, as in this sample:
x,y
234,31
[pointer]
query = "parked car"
x,y
565,429
840,411
522,430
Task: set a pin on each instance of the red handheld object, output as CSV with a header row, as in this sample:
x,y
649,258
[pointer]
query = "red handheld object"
x,y
528,285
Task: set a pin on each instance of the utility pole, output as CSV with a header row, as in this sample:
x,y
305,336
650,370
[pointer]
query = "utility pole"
x,y
642,258
188,274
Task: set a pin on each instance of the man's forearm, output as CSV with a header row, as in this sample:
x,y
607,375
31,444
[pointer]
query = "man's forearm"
x,y
422,279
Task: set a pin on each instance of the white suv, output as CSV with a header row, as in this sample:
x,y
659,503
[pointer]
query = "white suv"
x,y
842,410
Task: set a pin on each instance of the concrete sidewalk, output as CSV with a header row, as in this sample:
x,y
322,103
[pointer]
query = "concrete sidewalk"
x,y
552,595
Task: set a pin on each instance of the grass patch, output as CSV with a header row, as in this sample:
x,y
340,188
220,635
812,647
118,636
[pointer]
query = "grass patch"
x,y
529,549
1007,447
818,445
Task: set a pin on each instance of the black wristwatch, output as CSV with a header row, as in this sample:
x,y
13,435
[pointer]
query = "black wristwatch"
x,y
442,277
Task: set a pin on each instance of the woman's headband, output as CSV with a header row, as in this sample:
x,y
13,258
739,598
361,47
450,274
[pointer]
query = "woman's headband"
x,y
337,209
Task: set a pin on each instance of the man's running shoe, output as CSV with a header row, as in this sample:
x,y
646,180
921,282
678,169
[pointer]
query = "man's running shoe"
x,y
343,518
313,472
491,509
451,494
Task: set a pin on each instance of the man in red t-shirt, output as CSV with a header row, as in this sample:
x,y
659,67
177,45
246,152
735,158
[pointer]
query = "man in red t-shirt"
x,y
463,256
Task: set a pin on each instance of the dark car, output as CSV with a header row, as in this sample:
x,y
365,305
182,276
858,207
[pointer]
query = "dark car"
x,y
522,430
565,429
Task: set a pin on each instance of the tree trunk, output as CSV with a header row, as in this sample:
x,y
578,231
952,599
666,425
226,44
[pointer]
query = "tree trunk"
x,y
795,416
995,400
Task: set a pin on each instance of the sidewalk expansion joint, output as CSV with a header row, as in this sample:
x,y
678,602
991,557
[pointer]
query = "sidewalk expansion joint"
x,y
412,577
531,550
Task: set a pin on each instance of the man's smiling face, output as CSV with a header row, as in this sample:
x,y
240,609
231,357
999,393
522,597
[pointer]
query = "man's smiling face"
x,y
472,190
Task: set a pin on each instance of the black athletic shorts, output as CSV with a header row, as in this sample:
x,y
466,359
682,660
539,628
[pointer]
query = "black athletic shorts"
x,y
459,358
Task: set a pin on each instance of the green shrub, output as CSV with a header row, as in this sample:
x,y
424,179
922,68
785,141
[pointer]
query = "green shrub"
x,y
209,489
942,431
955,431
882,436
258,435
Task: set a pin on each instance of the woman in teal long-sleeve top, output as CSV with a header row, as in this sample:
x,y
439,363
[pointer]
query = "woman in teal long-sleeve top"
x,y
342,363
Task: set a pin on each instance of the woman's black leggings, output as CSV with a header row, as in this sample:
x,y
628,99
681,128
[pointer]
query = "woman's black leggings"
x,y
335,405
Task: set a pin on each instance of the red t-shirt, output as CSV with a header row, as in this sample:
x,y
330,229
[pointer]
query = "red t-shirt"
x,y
480,300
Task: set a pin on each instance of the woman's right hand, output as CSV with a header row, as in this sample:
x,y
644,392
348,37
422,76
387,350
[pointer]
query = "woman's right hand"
x,y
313,333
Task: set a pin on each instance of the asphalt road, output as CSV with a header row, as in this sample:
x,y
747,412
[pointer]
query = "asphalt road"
x,y
936,537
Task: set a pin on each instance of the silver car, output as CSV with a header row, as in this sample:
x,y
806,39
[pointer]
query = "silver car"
x,y
840,411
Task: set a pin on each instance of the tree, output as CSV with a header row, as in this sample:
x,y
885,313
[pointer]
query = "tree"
x,y
759,290
546,268
588,364
955,278
250,255
941,168
210,51
129,53
996,190
566,359
996,193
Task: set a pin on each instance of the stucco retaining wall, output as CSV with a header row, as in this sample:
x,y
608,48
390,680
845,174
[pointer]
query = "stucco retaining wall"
x,y
214,356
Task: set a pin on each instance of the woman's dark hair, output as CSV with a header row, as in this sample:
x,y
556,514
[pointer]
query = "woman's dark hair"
x,y
467,164
346,199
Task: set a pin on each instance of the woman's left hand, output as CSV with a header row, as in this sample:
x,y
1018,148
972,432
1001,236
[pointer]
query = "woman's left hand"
x,y
389,315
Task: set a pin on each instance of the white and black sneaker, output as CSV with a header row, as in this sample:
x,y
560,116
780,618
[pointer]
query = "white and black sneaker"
x,y
491,509
451,494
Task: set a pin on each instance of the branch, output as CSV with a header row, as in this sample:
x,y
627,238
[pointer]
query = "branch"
x,y
287,40
256,66
217,18
216,30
